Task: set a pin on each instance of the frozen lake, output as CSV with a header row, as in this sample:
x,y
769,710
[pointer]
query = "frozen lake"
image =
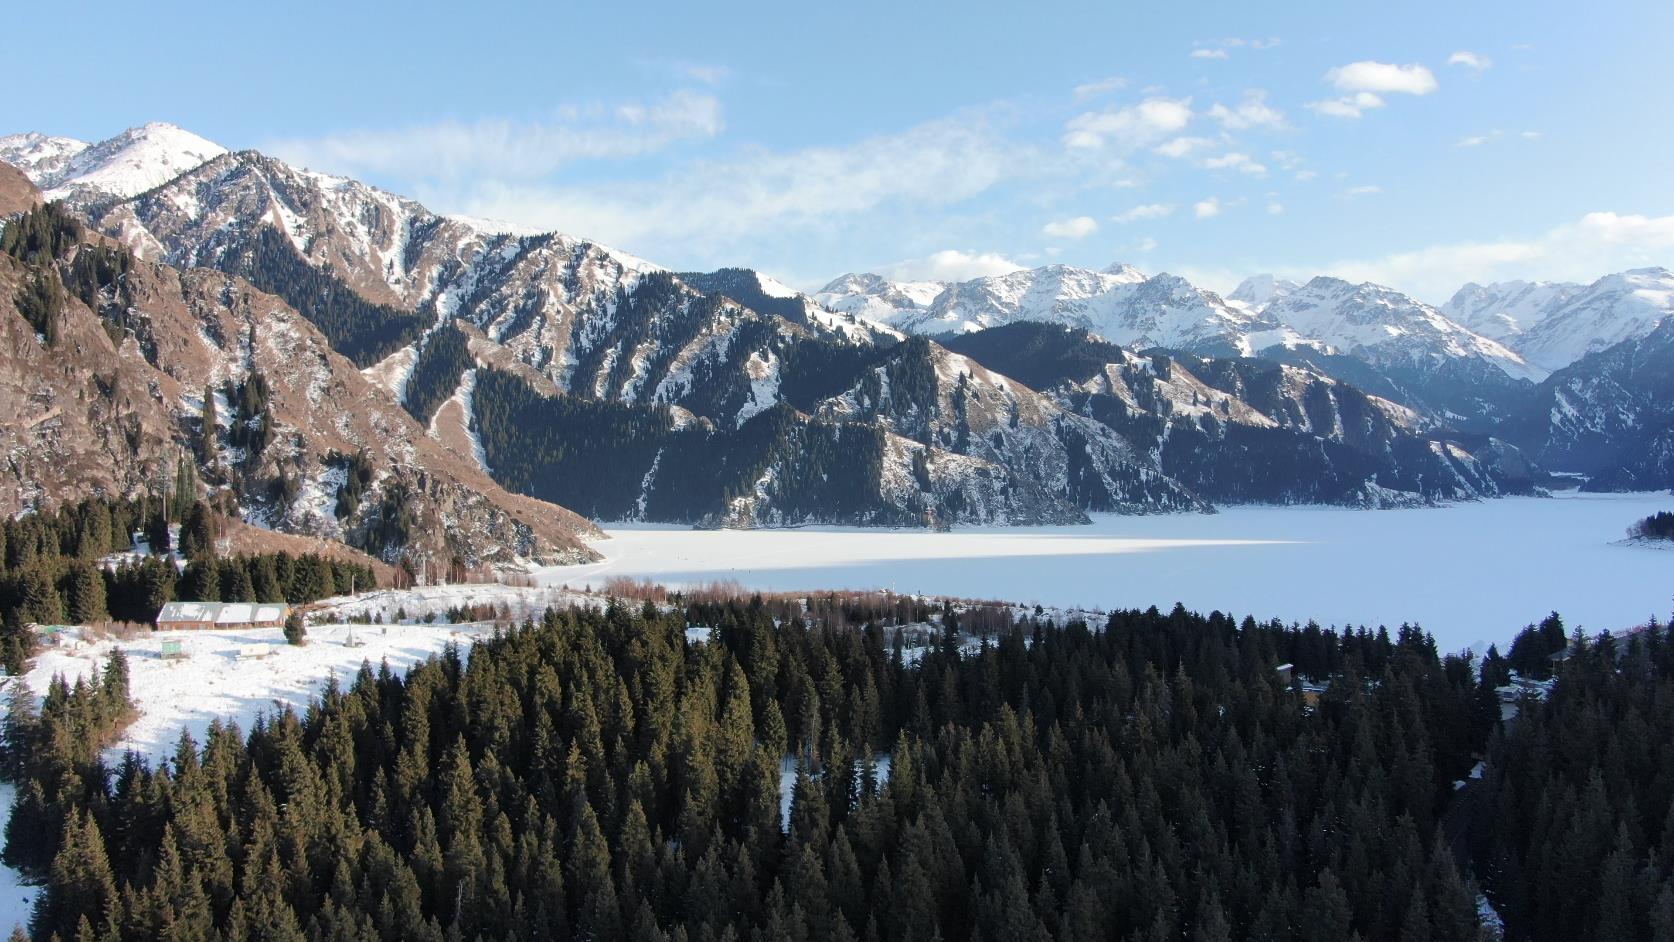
x,y
1469,572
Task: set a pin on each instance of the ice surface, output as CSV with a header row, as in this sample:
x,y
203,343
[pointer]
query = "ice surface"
x,y
1468,572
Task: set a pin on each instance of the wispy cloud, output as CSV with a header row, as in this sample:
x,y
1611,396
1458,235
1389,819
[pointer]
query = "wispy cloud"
x,y
950,265
1217,48
503,148
1252,111
1183,146
1364,189
1474,61
1477,140
705,207
1207,208
1594,245
1235,161
1129,128
1078,227
1348,106
1103,86
1146,211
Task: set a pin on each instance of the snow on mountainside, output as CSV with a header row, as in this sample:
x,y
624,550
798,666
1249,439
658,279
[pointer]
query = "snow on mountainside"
x,y
1616,308
1257,291
1120,303
878,299
126,165
115,395
1609,415
40,156
1244,430
1387,328
1504,309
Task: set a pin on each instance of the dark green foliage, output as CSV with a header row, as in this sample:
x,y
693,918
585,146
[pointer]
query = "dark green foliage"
x,y
49,571
40,299
1658,526
1577,805
597,775
357,477
252,423
41,236
1532,649
443,359
552,448
360,330
1040,356
295,631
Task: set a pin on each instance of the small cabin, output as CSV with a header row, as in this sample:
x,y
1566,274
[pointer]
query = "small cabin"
x,y
203,616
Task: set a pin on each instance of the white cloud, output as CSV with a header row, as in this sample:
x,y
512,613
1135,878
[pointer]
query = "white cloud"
x,y
1596,244
704,207
1383,78
1252,112
503,148
1477,140
1306,175
950,265
1183,146
1100,87
1349,106
1365,83
1274,207
1128,129
1210,54
1365,189
1078,227
1147,244
1235,161
1474,61
1530,135
1208,208
1147,211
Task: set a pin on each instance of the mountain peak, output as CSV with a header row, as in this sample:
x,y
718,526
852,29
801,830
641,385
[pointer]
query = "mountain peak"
x,y
126,165
1258,290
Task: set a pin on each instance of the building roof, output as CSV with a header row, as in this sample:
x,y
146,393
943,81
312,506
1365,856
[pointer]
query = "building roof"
x,y
222,613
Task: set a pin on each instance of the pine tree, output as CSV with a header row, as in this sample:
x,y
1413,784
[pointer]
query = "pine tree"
x,y
87,594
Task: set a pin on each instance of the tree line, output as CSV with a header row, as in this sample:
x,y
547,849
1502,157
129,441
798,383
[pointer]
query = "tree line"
x,y
51,569
613,774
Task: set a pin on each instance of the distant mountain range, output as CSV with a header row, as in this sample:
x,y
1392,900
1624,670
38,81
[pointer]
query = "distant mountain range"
x,y
588,378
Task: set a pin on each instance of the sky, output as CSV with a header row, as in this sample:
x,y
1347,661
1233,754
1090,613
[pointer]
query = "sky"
x,y
1420,145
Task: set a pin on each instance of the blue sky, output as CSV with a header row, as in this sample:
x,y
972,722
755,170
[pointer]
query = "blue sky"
x,y
1418,144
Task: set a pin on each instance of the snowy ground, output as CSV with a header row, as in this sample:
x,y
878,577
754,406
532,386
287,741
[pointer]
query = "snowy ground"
x,y
234,675
16,899
1470,572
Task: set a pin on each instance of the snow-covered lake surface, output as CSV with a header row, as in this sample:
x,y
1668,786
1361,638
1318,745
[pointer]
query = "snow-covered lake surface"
x,y
1470,573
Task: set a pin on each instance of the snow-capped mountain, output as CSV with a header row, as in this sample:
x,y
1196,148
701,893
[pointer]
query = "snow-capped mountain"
x,y
126,165
112,394
878,299
1609,415
1257,291
1619,307
1238,430
726,396
1120,303
1554,324
1385,327
1504,309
